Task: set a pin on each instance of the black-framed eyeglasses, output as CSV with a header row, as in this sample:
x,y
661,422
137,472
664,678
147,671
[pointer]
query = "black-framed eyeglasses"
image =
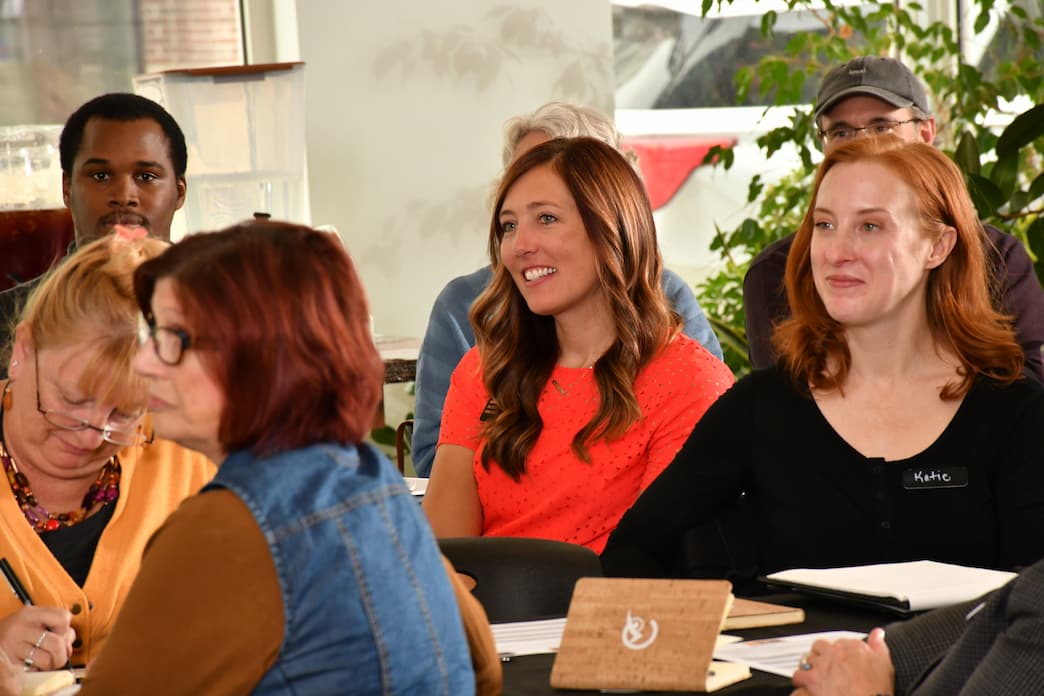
x,y
119,435
169,342
845,133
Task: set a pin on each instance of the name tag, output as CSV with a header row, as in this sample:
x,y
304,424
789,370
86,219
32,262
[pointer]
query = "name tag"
x,y
942,477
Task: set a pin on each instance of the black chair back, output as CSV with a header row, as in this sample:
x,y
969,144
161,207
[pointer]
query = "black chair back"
x,y
521,579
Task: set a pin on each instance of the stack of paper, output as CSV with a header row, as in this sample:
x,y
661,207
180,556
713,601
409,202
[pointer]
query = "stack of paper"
x,y
528,637
777,655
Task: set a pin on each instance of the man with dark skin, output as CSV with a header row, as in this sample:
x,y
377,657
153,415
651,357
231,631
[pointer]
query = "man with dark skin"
x,y
123,163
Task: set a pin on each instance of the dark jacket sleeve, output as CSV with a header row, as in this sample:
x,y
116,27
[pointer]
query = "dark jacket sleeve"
x,y
1020,294
999,651
765,300
919,644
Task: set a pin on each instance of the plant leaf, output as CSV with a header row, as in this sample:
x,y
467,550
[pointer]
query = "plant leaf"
x,y
768,23
981,21
1035,241
1036,189
1018,200
967,154
1026,128
985,194
733,336
1005,172
755,188
384,435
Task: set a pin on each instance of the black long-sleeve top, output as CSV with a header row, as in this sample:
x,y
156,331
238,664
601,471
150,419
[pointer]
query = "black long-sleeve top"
x,y
975,496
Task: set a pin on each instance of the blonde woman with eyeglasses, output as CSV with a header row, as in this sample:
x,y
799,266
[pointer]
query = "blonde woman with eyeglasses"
x,y
87,484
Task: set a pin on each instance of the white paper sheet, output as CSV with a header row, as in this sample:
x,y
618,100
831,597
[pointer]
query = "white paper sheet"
x,y
528,637
416,485
777,655
544,636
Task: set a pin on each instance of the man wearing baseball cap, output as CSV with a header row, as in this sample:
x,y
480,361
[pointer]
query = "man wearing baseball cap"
x,y
868,96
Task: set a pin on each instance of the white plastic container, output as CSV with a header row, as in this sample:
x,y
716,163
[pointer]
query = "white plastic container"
x,y
244,127
30,169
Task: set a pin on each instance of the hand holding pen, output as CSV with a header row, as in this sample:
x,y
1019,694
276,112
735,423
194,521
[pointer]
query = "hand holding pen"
x,y
39,637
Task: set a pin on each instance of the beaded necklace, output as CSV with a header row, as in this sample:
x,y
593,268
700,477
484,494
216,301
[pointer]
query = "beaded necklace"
x,y
104,490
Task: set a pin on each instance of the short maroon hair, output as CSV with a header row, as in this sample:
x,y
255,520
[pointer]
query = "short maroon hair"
x,y
284,328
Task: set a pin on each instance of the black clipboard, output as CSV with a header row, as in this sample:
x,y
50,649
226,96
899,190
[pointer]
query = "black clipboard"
x,y
893,605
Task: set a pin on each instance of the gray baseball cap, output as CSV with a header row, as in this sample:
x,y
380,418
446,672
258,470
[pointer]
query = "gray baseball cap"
x,y
884,78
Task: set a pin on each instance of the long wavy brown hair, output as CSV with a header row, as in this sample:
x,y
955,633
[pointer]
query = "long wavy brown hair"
x,y
519,349
961,316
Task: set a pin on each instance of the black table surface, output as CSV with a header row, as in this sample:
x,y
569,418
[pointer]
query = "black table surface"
x,y
530,675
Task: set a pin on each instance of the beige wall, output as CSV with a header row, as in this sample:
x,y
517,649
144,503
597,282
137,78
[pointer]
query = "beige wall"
x,y
405,105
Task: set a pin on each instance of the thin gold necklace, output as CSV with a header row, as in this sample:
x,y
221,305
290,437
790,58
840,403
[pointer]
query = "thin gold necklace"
x,y
562,390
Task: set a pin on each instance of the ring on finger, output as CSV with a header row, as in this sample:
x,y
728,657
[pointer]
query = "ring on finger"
x,y
40,640
28,661
805,664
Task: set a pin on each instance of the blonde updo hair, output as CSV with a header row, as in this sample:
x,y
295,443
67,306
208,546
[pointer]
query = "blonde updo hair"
x,y
88,300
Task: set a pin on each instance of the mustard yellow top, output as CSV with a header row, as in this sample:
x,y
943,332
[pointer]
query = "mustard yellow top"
x,y
155,479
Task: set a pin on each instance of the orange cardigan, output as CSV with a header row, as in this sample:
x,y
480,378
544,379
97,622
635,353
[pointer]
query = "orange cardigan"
x,y
155,479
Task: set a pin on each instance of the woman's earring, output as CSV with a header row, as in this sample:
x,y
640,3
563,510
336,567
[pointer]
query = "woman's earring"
x,y
8,397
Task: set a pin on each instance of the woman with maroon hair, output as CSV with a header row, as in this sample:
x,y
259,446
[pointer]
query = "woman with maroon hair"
x,y
305,566
897,424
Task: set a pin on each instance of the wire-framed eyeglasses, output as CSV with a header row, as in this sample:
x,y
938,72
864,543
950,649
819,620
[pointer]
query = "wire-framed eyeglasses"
x,y
123,435
169,342
845,133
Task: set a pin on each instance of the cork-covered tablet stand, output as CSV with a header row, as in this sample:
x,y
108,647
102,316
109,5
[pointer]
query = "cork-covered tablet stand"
x,y
655,635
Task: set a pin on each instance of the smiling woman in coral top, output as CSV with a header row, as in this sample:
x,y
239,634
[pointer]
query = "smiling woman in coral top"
x,y
581,388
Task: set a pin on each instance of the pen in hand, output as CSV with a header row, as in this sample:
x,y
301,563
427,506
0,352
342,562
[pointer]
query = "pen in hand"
x,y
15,584
18,588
